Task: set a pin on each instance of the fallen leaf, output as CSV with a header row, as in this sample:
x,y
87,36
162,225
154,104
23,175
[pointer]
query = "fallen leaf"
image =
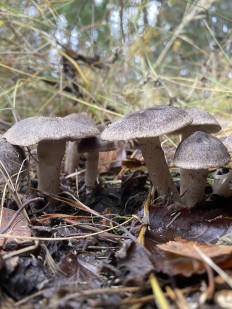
x,y
84,273
181,258
131,264
186,248
197,224
19,226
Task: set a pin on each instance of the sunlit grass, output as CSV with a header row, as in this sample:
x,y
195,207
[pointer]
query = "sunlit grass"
x,y
134,81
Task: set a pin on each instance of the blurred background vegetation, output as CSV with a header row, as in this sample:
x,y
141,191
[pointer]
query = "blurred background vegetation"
x,y
111,57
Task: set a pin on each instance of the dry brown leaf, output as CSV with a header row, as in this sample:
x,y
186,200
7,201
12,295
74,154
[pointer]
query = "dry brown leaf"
x,y
18,227
203,225
180,257
186,248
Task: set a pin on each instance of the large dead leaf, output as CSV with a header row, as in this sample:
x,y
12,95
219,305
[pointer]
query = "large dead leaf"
x,y
198,224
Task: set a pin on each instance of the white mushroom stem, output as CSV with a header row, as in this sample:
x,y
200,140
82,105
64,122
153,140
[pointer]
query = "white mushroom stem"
x,y
223,184
192,186
50,155
158,168
72,157
91,169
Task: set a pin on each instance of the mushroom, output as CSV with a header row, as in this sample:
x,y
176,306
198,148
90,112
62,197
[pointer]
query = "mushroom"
x,y
194,156
223,182
51,134
13,161
91,147
202,121
146,126
72,157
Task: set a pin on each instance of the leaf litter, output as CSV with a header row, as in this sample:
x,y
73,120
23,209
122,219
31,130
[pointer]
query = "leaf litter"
x,y
98,261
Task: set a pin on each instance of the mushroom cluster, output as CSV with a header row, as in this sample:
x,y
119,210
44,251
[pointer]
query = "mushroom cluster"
x,y
197,151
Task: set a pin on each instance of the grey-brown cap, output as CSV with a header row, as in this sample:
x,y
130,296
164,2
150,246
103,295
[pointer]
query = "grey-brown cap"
x,y
201,151
153,121
202,121
12,160
95,144
32,130
228,143
82,118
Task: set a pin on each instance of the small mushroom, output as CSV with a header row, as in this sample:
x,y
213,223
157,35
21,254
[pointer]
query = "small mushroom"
x,y
146,126
202,121
91,147
194,156
223,183
51,134
13,162
72,157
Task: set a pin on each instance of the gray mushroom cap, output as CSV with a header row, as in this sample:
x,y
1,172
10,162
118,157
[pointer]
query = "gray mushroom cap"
x,y
202,121
201,151
151,122
32,130
82,118
228,143
95,144
11,160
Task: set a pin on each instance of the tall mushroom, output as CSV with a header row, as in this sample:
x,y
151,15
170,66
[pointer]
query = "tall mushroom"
x,y
223,183
195,155
146,126
72,157
51,134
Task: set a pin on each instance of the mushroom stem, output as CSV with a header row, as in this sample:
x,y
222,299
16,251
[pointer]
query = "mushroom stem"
x,y
192,186
91,169
72,157
50,155
158,169
223,184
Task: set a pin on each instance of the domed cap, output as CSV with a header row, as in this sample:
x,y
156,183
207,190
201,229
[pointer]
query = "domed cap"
x,y
201,151
82,118
95,144
228,143
153,121
202,121
32,130
11,158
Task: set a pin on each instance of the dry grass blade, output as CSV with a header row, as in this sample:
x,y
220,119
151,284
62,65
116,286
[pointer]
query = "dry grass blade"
x,y
159,296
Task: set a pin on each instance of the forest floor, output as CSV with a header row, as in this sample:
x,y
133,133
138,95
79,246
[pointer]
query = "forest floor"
x,y
117,247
